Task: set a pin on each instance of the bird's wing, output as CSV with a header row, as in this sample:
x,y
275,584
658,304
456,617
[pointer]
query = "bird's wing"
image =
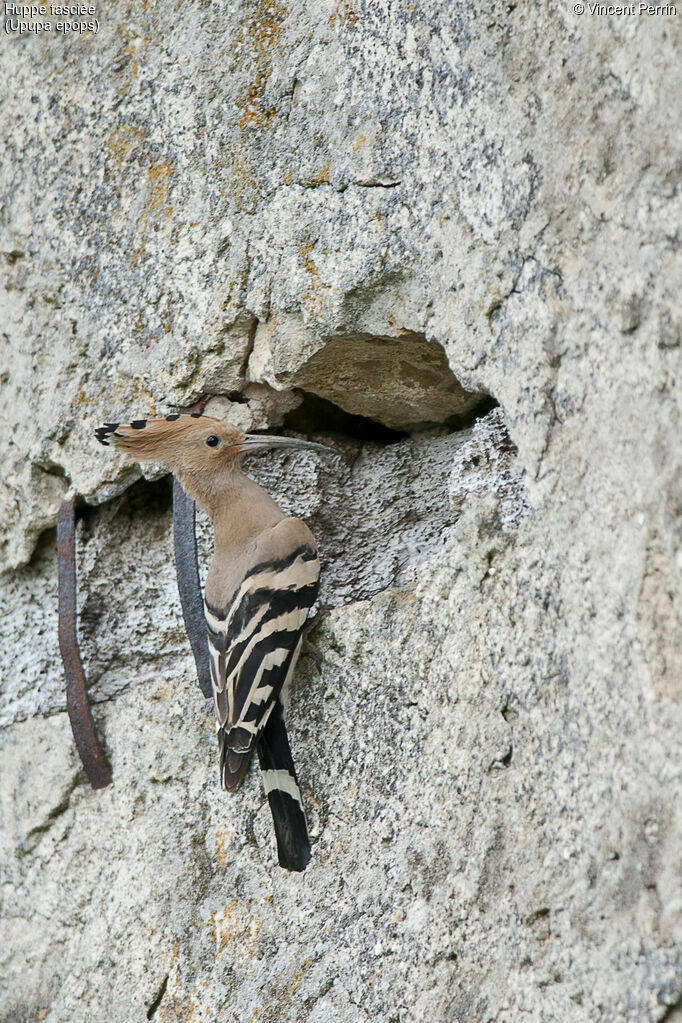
x,y
255,641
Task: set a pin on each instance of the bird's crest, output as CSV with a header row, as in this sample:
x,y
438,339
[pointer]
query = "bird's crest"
x,y
155,439
141,433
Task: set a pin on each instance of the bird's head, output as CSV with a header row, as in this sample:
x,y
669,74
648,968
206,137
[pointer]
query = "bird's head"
x,y
180,441
198,449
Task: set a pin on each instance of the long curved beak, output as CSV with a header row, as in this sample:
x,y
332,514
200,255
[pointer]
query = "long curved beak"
x,y
259,442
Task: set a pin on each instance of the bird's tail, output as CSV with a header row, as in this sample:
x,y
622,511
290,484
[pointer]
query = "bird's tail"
x,y
284,796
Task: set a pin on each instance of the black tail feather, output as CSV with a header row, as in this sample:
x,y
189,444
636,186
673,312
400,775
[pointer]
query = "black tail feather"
x,y
281,785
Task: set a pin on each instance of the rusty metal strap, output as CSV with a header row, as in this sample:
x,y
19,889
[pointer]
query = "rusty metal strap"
x,y
185,544
89,748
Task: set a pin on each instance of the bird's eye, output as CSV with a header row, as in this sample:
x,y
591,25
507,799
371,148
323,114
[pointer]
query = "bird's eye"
x,y
213,441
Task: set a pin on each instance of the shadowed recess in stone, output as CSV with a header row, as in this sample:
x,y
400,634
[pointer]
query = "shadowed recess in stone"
x,y
402,382
318,415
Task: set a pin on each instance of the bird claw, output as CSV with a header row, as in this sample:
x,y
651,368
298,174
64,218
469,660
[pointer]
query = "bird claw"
x,y
309,647
314,652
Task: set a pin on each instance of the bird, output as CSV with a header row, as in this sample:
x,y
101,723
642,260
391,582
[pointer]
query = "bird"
x,y
261,583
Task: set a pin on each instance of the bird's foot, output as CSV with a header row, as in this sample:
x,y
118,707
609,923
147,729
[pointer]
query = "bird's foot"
x,y
310,648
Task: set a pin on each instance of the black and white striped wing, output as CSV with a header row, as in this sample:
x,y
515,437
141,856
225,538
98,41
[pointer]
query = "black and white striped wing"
x,y
254,646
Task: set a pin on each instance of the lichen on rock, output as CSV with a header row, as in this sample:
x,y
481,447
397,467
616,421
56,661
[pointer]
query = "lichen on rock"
x,y
444,239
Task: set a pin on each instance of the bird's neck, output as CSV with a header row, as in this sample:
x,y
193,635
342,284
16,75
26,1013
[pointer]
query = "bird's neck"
x,y
239,512
239,509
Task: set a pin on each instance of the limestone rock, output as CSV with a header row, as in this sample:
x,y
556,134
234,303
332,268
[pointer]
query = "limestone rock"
x,y
417,213
402,381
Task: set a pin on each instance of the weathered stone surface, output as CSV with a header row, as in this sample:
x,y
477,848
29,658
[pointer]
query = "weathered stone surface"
x,y
402,381
207,200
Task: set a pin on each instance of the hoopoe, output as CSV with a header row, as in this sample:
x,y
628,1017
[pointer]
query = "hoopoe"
x,y
261,584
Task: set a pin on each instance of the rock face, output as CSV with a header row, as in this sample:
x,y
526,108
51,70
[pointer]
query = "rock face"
x,y
333,211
